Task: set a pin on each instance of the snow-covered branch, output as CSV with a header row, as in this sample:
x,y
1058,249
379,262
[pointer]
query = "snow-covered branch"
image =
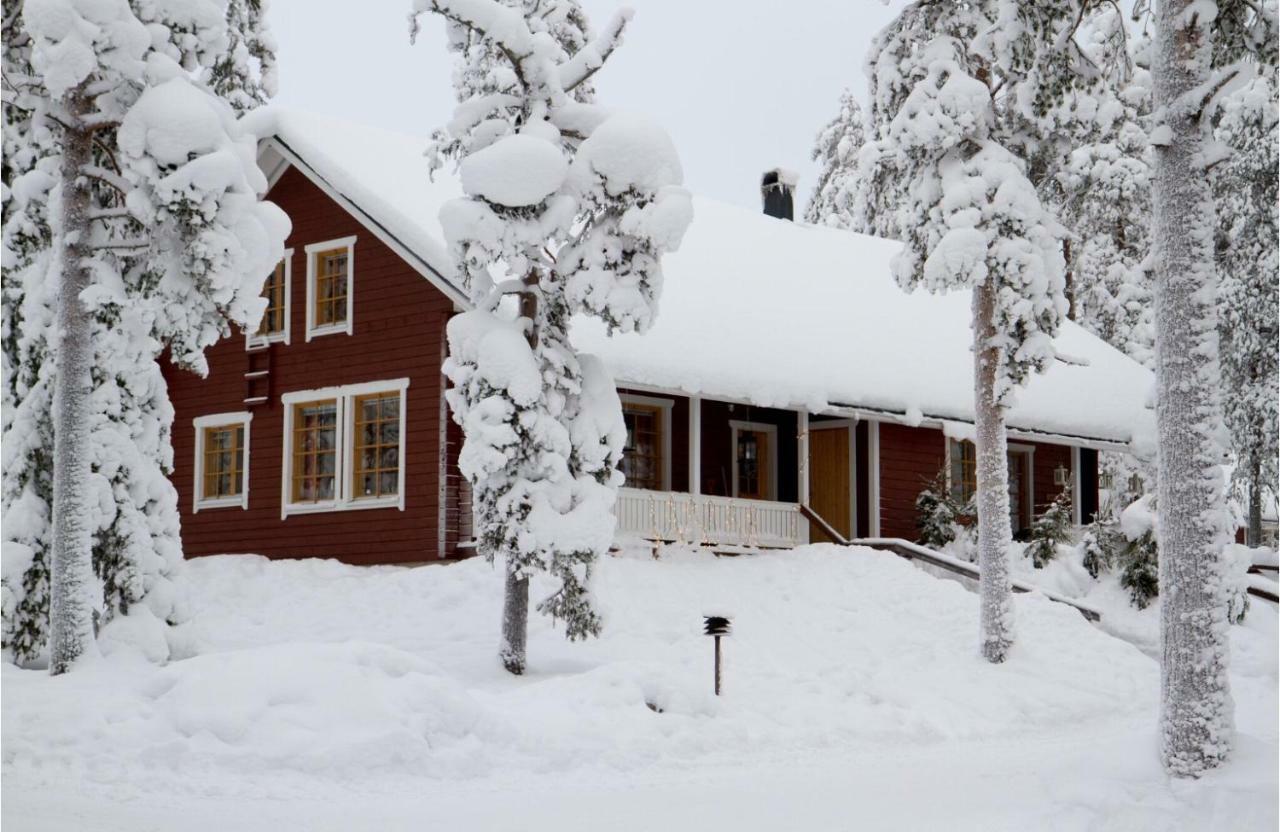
x,y
106,177
110,213
592,56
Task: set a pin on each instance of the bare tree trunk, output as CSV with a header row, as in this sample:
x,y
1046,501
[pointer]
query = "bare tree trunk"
x,y
515,622
71,567
994,531
515,598
1253,532
1196,728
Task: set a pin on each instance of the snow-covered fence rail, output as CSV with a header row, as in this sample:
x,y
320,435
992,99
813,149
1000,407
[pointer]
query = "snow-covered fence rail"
x,y
711,521
914,551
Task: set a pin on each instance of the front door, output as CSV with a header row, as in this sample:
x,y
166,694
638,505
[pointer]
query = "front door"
x,y
830,492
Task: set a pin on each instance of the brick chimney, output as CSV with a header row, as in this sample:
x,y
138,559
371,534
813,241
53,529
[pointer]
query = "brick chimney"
x,y
776,189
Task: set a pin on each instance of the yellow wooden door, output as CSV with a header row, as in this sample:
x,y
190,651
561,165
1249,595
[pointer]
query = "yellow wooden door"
x,y
830,492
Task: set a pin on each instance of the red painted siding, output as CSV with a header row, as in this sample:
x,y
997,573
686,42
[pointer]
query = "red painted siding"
x,y
399,321
398,332
911,457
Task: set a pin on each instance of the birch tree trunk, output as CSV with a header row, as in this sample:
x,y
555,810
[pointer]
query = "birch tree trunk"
x,y
71,567
992,469
1196,709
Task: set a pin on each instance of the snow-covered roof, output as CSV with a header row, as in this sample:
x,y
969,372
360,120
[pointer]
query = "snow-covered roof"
x,y
759,310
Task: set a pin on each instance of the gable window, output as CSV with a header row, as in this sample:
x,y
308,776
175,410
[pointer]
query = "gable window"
x,y
222,461
646,457
344,447
755,460
962,470
330,287
274,325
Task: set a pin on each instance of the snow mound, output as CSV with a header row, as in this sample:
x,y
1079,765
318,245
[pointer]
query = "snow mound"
x,y
491,172
315,681
629,151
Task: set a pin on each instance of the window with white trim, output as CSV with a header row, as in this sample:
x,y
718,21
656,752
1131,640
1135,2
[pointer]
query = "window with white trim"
x,y
755,460
962,472
345,447
274,325
330,287
646,457
222,461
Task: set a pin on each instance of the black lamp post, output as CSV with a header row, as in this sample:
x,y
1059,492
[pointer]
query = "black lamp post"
x,y
717,626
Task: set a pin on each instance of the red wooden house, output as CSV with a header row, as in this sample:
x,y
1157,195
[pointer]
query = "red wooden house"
x,y
787,377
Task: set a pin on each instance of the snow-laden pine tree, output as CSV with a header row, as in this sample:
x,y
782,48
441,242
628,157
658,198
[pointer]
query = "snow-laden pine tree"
x,y
896,60
971,219
1050,530
1245,193
1102,195
835,200
158,238
568,210
1199,50
244,74
134,523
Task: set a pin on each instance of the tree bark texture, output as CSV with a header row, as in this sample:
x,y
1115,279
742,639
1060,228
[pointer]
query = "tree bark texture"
x,y
1196,709
71,568
992,469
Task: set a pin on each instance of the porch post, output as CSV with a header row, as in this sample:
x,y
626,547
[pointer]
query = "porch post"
x,y
695,445
873,480
1077,517
802,448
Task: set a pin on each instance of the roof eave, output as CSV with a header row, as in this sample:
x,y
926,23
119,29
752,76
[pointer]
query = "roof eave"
x,y
275,156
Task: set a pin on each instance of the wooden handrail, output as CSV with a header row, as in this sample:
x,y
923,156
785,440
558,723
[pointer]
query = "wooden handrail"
x,y
821,522
914,551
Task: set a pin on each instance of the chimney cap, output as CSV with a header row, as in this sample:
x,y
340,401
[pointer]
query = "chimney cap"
x,y
786,177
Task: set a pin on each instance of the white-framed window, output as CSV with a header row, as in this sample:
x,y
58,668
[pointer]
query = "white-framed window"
x,y
755,460
344,447
962,478
278,290
330,287
646,458
222,461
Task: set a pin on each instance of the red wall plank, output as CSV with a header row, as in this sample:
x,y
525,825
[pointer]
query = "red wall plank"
x,y
398,332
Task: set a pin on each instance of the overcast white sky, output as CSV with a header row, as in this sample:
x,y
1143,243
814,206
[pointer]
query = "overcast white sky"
x,y
741,85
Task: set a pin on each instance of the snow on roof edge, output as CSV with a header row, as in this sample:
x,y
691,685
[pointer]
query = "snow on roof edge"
x,y
411,226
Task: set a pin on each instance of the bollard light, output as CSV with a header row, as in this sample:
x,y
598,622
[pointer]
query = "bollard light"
x,y
717,626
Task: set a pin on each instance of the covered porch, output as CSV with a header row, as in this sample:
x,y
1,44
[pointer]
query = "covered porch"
x,y
709,472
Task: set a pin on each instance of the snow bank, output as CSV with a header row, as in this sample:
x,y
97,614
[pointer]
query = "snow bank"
x,y
310,681
288,653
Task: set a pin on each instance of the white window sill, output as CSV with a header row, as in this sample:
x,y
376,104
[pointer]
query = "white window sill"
x,y
352,505
330,329
262,340
221,502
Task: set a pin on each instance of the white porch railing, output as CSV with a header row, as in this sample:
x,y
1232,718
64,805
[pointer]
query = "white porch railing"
x,y
712,521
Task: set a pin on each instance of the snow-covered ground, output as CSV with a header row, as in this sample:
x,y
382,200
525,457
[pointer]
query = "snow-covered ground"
x,y
319,696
